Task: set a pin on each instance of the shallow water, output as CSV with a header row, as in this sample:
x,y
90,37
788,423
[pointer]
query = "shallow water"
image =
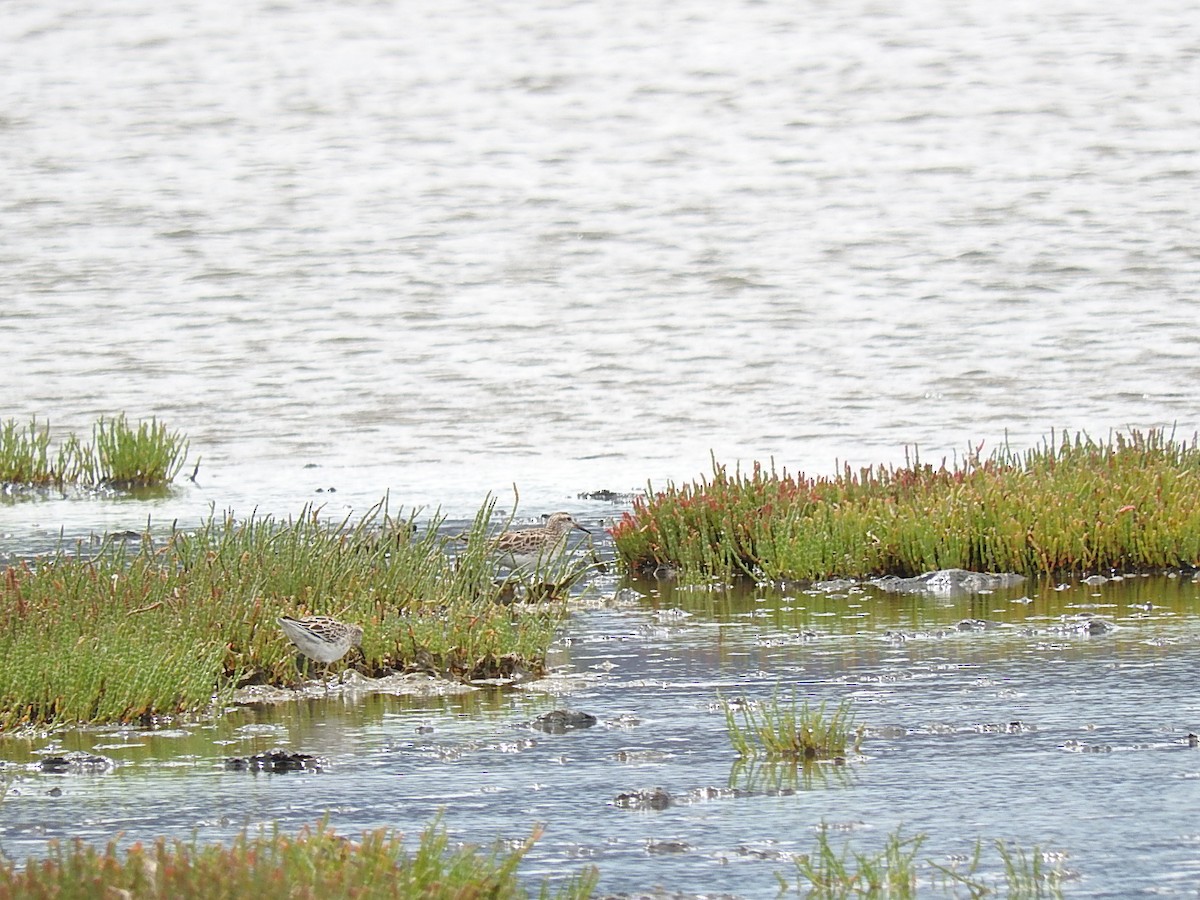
x,y
552,247
996,716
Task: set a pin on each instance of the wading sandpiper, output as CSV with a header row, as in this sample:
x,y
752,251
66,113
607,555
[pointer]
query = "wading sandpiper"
x,y
321,638
529,548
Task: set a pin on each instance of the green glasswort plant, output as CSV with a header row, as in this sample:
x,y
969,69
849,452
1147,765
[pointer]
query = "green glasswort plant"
x,y
826,873
893,871
1067,506
124,457
787,731
317,864
119,456
26,459
1026,874
172,625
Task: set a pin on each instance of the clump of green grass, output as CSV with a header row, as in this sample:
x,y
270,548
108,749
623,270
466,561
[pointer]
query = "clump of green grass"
x,y
26,458
124,457
894,872
317,863
1067,506
119,456
169,627
780,730
1025,873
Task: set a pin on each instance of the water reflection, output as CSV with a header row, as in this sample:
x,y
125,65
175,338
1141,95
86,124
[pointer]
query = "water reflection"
x,y
766,776
860,607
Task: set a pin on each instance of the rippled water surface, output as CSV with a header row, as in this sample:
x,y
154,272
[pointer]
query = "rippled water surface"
x,y
438,251
994,716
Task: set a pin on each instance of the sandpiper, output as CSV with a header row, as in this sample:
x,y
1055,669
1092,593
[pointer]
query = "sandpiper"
x,y
321,638
532,547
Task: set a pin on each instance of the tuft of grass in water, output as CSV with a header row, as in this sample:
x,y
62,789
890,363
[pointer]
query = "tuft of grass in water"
x,y
26,457
1068,506
124,457
893,871
1025,873
173,626
119,456
786,731
826,873
317,863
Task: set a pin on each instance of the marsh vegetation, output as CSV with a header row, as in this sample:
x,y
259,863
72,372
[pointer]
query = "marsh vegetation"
x,y
173,621
317,863
1068,506
173,624
120,456
828,872
786,730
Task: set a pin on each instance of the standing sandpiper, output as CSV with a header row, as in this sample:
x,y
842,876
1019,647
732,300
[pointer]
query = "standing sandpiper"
x,y
321,638
530,548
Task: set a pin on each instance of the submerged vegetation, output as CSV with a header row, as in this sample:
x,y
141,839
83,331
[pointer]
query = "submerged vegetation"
x,y
166,626
119,455
315,864
778,730
1068,506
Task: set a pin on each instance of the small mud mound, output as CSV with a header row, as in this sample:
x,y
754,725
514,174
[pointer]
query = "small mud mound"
x,y
1083,624
560,721
656,798
278,761
76,763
